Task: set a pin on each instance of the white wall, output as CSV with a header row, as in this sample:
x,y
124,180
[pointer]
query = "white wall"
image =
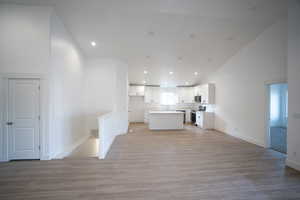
x,y
241,93
66,91
24,39
100,83
294,84
106,88
24,49
121,96
33,40
106,100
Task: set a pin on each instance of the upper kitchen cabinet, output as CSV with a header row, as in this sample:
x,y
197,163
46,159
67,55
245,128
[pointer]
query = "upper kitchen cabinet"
x,y
185,94
136,90
152,95
197,90
207,93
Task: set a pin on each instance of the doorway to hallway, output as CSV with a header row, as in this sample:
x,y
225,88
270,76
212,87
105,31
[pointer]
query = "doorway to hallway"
x,y
278,115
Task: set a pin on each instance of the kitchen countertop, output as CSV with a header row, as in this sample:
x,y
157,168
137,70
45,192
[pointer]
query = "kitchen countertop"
x,y
165,112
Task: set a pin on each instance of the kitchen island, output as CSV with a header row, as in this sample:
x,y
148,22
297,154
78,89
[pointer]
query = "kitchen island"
x,y
166,120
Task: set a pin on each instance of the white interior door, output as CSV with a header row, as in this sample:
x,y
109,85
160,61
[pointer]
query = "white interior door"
x,y
23,119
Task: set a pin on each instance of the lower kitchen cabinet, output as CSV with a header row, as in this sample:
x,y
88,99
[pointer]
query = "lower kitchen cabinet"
x,y
205,120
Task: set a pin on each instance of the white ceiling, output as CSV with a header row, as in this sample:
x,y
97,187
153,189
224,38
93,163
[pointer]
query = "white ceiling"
x,y
160,36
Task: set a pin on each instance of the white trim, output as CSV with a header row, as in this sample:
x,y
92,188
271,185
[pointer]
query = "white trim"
x,y
18,75
267,113
44,139
245,138
276,81
267,116
292,164
248,139
71,148
3,158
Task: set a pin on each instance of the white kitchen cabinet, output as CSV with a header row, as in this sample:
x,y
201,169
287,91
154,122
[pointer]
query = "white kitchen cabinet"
x,y
185,94
181,94
148,94
188,115
136,90
189,97
207,93
205,120
197,90
152,95
156,95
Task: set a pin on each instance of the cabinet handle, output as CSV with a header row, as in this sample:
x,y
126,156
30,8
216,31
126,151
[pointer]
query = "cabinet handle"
x,y
9,123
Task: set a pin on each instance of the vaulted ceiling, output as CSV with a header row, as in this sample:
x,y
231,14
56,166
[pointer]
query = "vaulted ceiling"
x,y
162,36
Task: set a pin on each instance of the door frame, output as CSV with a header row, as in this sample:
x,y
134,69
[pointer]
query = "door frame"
x,y
267,112
44,139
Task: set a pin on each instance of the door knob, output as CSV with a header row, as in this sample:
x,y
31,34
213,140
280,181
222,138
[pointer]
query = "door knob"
x,y
9,123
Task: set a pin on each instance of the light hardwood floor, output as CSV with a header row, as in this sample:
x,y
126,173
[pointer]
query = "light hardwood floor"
x,y
89,148
155,165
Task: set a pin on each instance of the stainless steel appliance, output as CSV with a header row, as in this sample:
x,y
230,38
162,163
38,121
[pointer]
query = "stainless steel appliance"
x,y
193,116
202,108
197,99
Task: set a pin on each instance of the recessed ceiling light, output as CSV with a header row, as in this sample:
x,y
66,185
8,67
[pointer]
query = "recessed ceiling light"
x,y
171,73
144,82
145,72
186,83
196,73
93,43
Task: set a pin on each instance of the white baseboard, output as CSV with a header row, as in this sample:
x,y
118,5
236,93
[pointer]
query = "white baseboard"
x,y
247,139
71,148
45,158
42,158
292,164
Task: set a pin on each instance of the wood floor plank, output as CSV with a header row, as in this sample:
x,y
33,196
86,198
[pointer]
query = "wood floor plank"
x,y
189,164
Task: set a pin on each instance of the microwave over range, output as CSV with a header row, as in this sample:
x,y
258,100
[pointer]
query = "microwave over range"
x,y
197,99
